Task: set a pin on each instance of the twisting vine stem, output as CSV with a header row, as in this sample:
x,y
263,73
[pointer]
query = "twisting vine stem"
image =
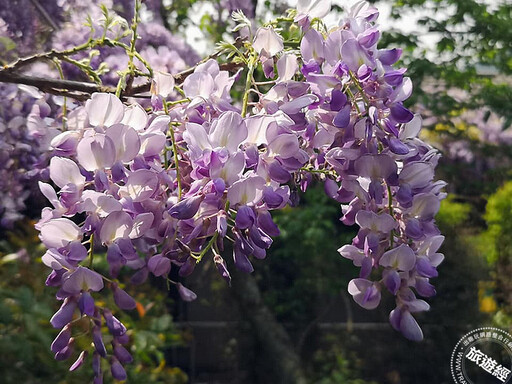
x,y
248,84
175,152
64,105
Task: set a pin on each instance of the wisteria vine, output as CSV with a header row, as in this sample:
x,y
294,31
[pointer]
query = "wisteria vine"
x,y
169,185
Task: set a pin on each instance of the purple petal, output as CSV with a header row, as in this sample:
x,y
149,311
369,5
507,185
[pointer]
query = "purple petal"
x,y
391,280
229,131
363,73
366,267
65,171
376,191
404,195
260,238
380,223
425,206
389,56
395,316
273,199
97,340
83,279
117,225
267,41
77,252
342,118
400,113
126,142
287,67
79,361
222,268
96,152
245,217
104,109
54,279
296,105
402,258
266,223
424,268
222,224
115,327
314,8
338,100
310,67
241,260
365,293
122,354
396,146
141,224
136,117
312,46
118,372
331,188
395,77
417,174
141,185
352,253
57,233
62,340
163,84
424,288
375,166
414,230
64,315
369,37
66,352
353,54
246,191
86,304
140,276
185,293
199,84
96,364
410,328
159,265
402,92
186,208
278,173
391,127
122,299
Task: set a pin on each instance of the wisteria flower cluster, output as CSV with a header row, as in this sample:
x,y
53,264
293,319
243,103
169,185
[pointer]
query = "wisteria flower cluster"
x,y
25,140
167,187
24,134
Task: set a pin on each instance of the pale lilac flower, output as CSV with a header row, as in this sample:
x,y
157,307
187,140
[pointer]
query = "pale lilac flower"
x,y
104,110
83,279
267,42
185,293
58,233
365,293
314,8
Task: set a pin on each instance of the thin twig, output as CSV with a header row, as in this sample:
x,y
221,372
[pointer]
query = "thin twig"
x,y
44,14
80,90
53,54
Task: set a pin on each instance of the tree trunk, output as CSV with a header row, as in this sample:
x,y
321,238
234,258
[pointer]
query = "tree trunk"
x,y
279,363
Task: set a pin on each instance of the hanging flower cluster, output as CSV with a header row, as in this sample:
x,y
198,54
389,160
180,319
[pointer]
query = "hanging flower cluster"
x,y
24,143
170,187
24,134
